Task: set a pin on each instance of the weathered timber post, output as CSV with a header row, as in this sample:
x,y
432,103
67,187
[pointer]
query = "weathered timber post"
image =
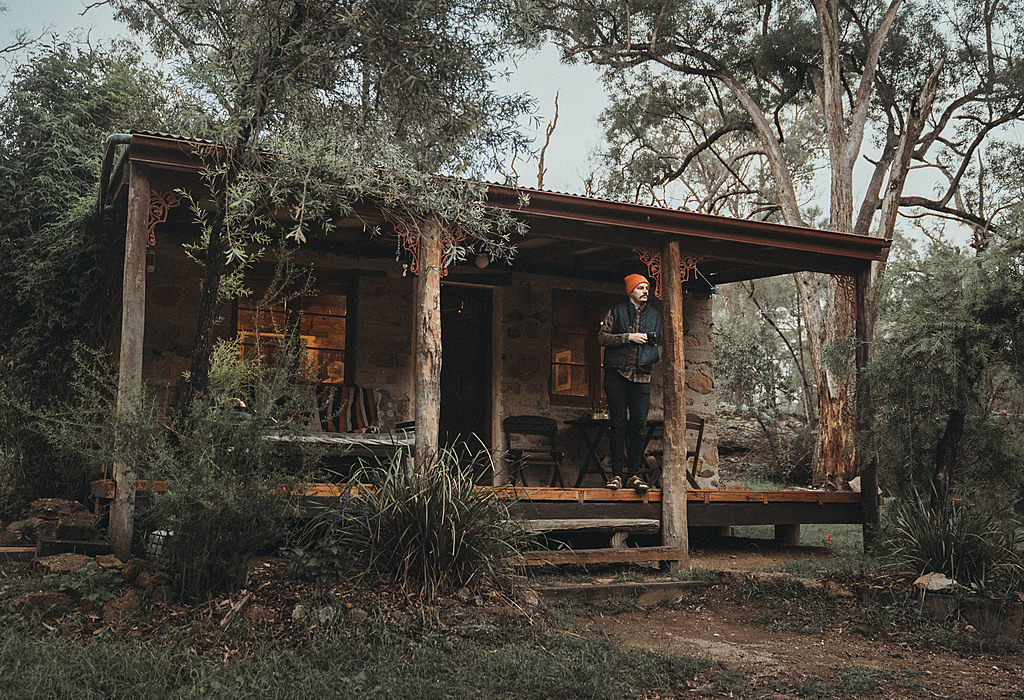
x,y
673,476
866,453
133,325
427,341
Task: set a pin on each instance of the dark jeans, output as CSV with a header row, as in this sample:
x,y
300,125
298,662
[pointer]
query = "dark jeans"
x,y
628,436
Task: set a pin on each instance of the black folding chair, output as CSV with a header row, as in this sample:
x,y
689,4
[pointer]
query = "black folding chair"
x,y
658,452
524,452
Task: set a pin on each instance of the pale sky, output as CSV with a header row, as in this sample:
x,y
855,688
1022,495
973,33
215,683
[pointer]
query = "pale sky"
x,y
539,73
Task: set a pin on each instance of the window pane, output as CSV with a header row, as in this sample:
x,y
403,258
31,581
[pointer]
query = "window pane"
x,y
570,380
569,349
322,331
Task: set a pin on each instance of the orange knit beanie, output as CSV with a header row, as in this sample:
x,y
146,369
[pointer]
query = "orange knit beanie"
x,y
632,281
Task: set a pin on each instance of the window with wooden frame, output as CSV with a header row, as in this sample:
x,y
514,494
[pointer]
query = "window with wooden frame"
x,y
321,324
576,357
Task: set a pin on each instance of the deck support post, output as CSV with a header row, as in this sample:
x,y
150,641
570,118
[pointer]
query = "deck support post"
x,y
133,326
788,534
427,341
673,476
866,455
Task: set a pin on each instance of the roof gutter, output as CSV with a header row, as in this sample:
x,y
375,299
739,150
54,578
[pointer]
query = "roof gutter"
x,y
109,146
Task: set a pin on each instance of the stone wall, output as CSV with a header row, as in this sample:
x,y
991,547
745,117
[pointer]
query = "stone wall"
x,y
383,347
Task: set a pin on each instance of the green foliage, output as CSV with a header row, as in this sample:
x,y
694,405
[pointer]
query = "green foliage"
x,y
971,546
59,260
92,583
946,347
228,487
431,529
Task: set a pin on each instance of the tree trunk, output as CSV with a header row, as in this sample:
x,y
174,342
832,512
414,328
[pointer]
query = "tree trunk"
x,y
946,453
834,462
202,345
427,341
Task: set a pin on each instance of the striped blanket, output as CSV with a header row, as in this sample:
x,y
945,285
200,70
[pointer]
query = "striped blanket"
x,y
346,409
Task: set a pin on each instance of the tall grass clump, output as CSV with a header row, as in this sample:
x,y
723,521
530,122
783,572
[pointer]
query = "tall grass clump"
x,y
968,544
430,529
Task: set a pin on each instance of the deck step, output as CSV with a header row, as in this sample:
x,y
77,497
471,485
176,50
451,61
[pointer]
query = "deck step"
x,y
46,547
17,553
649,526
601,556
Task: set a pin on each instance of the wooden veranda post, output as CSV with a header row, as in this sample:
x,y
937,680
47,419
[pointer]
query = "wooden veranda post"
x,y
866,456
427,341
133,325
673,476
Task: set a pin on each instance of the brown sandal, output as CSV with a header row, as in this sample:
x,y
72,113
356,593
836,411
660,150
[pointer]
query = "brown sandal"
x,y
615,483
638,484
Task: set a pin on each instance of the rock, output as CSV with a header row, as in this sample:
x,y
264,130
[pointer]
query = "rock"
x,y
463,594
119,609
935,582
46,603
733,575
836,592
529,597
108,561
12,537
298,612
132,569
145,579
57,508
358,615
259,613
76,528
63,563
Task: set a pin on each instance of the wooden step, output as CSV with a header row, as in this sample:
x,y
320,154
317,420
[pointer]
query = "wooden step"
x,y
46,547
17,553
647,526
601,556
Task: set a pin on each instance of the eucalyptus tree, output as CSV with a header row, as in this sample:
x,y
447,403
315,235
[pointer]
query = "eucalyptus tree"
x,y
898,85
337,89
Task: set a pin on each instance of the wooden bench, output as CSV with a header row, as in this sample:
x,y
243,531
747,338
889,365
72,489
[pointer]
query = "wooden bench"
x,y
618,528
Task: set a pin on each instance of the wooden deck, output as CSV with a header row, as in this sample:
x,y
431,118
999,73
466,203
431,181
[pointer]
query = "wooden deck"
x,y
705,508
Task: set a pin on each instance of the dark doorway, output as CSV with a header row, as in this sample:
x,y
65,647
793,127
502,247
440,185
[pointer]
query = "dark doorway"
x,y
465,421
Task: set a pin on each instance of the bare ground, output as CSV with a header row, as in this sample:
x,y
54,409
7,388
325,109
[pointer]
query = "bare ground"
x,y
812,645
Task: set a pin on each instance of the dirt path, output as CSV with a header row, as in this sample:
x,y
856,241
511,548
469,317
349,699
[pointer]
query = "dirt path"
x,y
789,664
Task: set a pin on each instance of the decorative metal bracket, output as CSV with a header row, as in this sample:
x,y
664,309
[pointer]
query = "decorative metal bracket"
x,y
652,259
160,204
411,243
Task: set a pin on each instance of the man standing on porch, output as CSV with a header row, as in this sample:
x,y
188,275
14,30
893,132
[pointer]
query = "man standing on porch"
x,y
631,336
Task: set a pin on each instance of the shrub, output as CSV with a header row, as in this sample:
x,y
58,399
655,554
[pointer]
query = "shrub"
x,y
227,495
962,541
432,529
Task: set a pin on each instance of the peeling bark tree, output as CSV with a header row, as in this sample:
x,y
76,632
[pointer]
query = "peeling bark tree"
x,y
872,68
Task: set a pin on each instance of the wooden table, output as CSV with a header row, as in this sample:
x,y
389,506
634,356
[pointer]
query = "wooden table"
x,y
593,431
